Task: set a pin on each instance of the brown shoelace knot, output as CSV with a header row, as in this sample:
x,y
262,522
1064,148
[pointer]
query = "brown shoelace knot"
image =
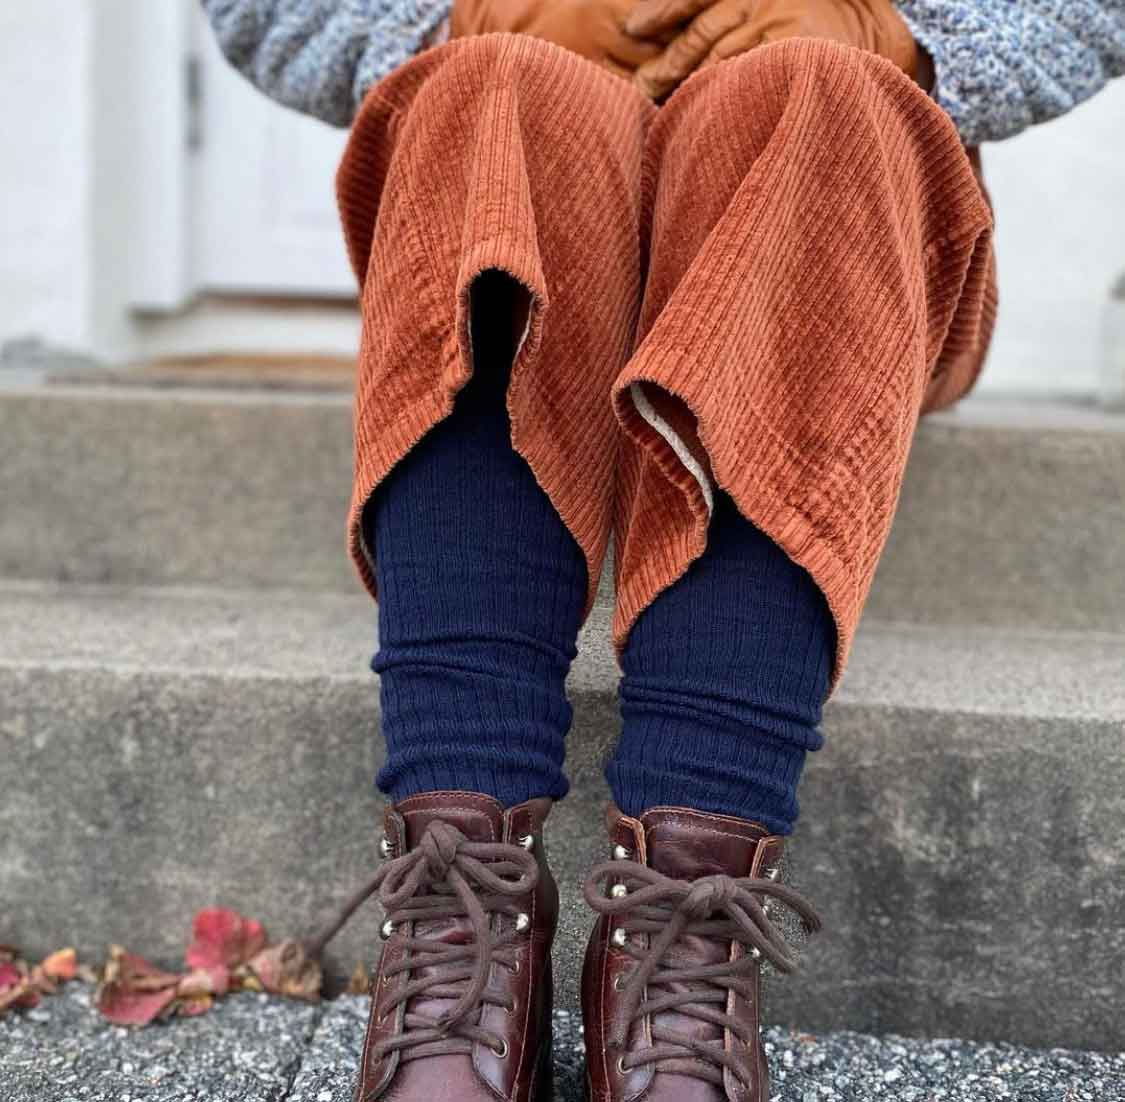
x,y
444,878
654,914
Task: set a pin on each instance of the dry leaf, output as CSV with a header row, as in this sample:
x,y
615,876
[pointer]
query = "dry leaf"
x,y
16,988
204,982
20,996
286,969
228,952
61,965
360,982
223,938
135,973
134,992
190,1008
124,1007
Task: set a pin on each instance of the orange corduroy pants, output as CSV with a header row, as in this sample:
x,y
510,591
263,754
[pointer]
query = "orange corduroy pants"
x,y
759,285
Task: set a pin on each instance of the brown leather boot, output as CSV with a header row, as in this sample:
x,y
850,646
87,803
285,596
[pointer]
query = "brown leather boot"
x,y
461,1001
670,988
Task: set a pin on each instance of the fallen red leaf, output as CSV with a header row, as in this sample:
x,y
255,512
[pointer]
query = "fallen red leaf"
x,y
222,938
136,973
123,1007
287,969
61,965
21,995
228,952
204,982
191,1008
133,991
16,988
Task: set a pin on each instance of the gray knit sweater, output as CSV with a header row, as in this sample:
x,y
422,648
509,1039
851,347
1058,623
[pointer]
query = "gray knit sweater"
x,y
1001,65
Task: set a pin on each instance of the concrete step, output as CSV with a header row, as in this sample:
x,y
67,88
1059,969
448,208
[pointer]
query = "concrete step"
x,y
964,830
256,1049
1012,514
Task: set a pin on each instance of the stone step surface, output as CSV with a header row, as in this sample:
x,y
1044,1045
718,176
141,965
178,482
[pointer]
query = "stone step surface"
x,y
164,749
257,1049
1012,513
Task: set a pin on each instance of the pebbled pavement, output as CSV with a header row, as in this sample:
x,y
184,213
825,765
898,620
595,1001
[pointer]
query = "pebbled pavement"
x,y
252,1047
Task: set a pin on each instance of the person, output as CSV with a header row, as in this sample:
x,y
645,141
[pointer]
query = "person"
x,y
686,271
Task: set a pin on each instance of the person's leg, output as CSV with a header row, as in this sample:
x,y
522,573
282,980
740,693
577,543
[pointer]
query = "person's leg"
x,y
488,183
481,590
495,234
820,271
497,154
724,675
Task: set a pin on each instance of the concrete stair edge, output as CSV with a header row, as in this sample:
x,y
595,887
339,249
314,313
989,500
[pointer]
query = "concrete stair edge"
x,y
293,633
229,761
1011,513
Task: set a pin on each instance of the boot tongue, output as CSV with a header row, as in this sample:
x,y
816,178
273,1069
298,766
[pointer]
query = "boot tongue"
x,y
688,844
479,818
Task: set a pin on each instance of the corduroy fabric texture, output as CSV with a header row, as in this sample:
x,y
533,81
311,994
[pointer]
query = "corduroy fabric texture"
x,y
787,263
481,592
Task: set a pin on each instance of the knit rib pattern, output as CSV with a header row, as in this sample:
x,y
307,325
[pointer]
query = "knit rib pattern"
x,y
785,264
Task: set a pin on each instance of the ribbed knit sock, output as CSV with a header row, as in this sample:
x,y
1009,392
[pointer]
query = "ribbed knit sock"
x,y
724,675
481,590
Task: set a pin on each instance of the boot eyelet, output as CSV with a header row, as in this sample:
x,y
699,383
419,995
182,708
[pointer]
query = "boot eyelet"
x,y
620,937
385,847
523,922
619,982
515,968
621,1068
755,952
386,929
772,873
618,891
501,1053
527,841
620,853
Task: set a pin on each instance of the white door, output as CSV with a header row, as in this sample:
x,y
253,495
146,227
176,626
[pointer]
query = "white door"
x,y
265,210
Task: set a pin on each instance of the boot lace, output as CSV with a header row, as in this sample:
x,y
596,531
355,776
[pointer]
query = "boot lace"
x,y
446,876
665,910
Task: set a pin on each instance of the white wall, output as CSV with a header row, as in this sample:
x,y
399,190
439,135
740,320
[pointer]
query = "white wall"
x,y
89,225
93,202
45,74
1059,194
